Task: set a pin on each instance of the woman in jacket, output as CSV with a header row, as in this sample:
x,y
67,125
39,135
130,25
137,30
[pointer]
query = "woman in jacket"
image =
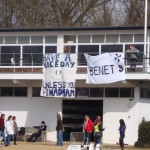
x,y
15,129
9,129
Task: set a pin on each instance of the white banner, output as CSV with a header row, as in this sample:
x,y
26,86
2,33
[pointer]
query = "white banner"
x,y
59,76
105,68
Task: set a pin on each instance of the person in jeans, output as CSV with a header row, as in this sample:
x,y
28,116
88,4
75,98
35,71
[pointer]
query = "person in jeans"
x,y
87,129
59,129
2,128
9,129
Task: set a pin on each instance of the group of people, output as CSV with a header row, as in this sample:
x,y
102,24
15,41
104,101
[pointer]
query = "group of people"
x,y
8,129
96,127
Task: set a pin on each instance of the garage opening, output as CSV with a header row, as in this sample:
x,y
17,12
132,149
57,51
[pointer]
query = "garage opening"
x,y
74,112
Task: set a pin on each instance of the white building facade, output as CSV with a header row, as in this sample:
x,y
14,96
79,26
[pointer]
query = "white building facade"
x,y
21,75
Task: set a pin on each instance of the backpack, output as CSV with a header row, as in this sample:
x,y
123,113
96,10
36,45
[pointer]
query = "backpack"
x,y
21,131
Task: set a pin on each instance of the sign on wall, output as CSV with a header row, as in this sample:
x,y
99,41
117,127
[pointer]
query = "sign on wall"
x,y
59,75
105,68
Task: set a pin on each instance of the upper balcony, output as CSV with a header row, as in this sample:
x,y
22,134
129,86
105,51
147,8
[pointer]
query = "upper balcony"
x,y
29,66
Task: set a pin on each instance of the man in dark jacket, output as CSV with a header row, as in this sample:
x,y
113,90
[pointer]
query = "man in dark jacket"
x,y
59,129
2,128
34,136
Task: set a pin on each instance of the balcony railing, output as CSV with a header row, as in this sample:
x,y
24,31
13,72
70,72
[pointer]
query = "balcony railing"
x,y
32,63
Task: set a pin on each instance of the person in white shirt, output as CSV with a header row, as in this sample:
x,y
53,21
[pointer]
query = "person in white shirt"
x,y
9,129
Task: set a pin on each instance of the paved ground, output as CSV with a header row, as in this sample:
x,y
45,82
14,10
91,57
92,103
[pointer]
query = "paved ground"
x,y
51,146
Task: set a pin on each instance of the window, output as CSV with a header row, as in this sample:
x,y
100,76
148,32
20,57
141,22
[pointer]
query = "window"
x,y
69,49
84,38
36,39
10,39
82,92
111,38
139,38
20,91
126,38
10,55
36,91
50,49
111,48
98,39
51,39
90,49
23,39
70,39
126,92
32,55
111,92
6,91
140,47
96,92
1,39
144,92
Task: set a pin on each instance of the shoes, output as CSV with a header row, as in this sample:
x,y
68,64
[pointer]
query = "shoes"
x,y
15,144
6,145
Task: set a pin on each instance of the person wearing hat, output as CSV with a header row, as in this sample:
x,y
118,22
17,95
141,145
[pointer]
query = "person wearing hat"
x,y
98,131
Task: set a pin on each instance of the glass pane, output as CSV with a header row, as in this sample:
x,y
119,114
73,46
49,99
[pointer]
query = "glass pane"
x,y
111,48
10,39
84,38
126,38
112,38
70,39
51,39
96,92
69,49
32,55
1,39
10,55
6,91
98,39
23,39
82,92
142,93
126,92
90,49
111,92
36,39
20,91
139,38
50,49
36,91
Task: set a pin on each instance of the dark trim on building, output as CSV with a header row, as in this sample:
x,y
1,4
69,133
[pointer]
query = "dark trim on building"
x,y
74,29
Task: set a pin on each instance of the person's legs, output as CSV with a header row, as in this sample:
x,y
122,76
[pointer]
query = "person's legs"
x,y
85,138
4,138
36,135
8,139
88,138
61,137
121,142
15,139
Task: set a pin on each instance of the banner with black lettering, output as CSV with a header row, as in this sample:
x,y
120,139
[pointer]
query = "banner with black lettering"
x,y
105,68
59,75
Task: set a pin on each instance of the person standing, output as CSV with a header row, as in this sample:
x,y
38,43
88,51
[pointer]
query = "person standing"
x,y
9,129
122,129
87,129
98,131
15,129
59,129
133,55
2,128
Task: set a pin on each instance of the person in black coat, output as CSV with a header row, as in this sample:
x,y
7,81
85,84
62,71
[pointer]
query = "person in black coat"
x,y
34,136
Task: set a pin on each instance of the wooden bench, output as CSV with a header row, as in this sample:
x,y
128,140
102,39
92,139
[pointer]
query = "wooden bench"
x,y
29,131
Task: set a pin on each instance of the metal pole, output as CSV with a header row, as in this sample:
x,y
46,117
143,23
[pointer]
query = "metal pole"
x,y
145,26
145,61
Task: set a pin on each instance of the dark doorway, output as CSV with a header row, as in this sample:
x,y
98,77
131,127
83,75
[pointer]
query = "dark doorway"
x,y
74,112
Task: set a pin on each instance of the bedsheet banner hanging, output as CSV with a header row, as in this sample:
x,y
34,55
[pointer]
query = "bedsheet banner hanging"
x,y
59,75
105,68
